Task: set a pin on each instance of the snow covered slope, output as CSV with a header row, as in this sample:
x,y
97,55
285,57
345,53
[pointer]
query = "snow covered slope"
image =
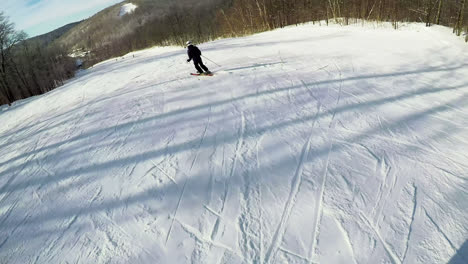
x,y
311,144
127,9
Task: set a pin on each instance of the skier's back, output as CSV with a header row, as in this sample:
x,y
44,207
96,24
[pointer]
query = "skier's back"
x,y
195,54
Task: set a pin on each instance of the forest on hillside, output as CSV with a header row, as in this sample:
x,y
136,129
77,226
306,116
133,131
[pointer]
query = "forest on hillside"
x,y
28,68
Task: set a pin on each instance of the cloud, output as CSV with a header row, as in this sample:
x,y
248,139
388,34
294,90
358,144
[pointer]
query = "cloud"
x,y
46,15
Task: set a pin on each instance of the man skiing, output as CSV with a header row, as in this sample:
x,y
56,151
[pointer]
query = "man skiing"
x,y
194,53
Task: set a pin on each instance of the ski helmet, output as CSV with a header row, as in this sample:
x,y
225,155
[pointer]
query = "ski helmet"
x,y
188,43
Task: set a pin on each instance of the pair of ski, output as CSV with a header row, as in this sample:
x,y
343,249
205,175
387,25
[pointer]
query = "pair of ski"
x,y
202,74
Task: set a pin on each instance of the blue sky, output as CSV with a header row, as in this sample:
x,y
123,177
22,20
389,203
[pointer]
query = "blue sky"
x,y
37,17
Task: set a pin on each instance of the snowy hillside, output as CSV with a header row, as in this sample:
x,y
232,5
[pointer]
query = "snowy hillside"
x,y
311,144
127,9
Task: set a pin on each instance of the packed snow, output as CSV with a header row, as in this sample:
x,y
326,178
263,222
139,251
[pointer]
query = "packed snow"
x,y
127,9
310,144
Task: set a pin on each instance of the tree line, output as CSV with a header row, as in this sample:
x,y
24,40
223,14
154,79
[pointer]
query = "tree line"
x,y
28,68
232,18
247,16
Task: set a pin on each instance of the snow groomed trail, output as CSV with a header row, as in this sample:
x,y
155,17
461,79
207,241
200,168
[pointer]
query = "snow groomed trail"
x,y
311,144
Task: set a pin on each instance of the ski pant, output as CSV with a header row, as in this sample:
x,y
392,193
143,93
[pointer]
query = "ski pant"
x,y
199,65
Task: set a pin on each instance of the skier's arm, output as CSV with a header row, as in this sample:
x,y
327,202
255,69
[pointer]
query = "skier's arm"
x,y
189,55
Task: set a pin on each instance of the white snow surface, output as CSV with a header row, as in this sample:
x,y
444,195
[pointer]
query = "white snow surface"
x,y
127,9
310,144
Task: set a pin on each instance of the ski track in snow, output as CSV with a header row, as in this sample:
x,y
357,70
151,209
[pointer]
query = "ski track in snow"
x,y
297,150
296,182
319,206
393,258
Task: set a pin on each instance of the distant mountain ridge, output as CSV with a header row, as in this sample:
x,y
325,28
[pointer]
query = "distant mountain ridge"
x,y
108,33
103,26
108,25
47,38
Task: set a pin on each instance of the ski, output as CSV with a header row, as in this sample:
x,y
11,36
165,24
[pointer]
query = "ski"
x,y
202,74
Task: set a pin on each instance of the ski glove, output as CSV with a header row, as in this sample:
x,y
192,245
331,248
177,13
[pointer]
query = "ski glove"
x,y
188,60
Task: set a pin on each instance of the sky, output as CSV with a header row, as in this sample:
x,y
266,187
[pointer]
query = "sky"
x,y
37,17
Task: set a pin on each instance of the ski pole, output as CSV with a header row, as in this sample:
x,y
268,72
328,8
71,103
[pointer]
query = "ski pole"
x,y
211,61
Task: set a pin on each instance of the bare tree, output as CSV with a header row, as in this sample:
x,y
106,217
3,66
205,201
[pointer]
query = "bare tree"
x,y
439,9
459,23
8,39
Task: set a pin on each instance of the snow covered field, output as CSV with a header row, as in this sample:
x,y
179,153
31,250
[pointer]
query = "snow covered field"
x,y
309,145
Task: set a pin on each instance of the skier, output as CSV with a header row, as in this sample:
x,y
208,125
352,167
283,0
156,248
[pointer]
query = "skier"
x,y
194,53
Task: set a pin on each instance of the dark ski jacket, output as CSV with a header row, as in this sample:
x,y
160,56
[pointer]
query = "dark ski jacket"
x,y
193,53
